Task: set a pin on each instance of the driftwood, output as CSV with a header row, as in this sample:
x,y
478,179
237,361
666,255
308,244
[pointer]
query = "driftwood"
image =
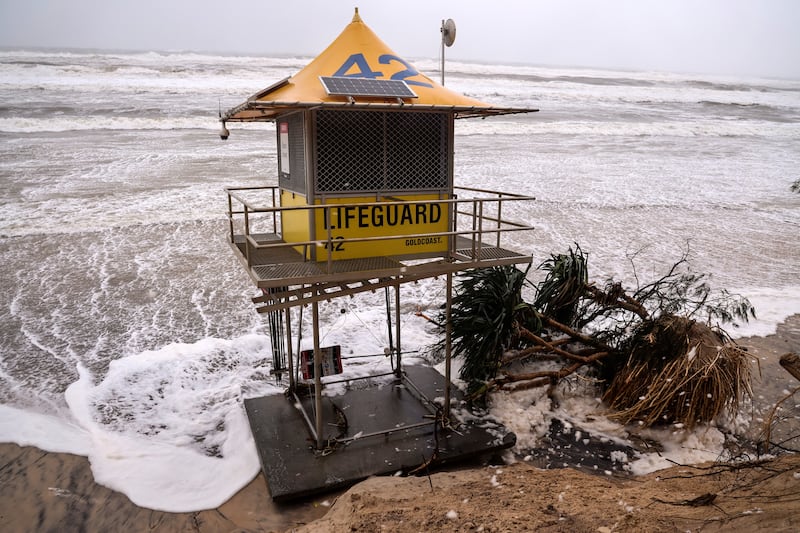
x,y
766,434
791,363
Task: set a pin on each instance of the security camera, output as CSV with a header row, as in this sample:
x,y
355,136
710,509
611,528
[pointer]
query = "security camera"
x,y
224,133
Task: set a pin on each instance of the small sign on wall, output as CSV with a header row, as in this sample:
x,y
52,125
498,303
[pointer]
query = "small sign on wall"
x,y
284,140
331,361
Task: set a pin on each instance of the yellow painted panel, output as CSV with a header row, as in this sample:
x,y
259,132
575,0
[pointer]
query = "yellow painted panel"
x,y
345,219
409,219
295,224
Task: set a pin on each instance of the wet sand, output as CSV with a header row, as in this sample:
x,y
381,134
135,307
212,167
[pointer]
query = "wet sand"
x,y
42,491
771,382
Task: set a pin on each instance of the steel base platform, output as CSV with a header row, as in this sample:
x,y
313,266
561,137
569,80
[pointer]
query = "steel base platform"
x,y
294,468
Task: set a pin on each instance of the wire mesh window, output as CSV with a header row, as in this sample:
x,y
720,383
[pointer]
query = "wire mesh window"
x,y
369,151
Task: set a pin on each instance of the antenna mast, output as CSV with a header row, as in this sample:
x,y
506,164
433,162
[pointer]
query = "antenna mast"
x,y
448,38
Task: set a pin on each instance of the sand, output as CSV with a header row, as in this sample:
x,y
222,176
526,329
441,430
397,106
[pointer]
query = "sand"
x,y
42,491
523,498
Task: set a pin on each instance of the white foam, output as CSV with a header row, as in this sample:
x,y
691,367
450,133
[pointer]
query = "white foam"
x,y
773,306
166,474
167,428
47,432
88,123
681,447
687,128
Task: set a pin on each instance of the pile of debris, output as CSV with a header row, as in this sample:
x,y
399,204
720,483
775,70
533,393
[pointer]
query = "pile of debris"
x,y
657,351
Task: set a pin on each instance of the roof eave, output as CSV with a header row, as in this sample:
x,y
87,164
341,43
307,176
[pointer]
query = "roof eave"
x,y
267,111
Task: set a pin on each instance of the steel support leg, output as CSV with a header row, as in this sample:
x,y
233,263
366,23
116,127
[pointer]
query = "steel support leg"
x,y
398,347
317,375
448,348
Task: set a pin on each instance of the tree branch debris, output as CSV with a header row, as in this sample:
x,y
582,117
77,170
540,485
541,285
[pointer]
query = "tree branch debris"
x,y
656,360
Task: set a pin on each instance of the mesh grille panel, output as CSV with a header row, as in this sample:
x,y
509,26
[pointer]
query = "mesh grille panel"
x,y
349,151
417,152
296,181
368,151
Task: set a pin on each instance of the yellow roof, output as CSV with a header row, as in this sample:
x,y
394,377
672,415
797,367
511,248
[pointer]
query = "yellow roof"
x,y
359,53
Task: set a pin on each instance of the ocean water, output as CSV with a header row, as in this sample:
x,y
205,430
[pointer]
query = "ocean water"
x,y
126,329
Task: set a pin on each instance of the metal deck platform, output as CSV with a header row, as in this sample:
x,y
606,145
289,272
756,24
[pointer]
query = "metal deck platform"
x,y
285,268
355,430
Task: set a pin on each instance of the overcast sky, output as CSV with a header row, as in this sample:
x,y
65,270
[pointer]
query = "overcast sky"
x,y
740,37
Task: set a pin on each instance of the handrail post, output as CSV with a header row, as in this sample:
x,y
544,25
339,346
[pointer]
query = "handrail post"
x,y
274,214
474,226
452,239
329,247
499,217
247,234
480,229
230,215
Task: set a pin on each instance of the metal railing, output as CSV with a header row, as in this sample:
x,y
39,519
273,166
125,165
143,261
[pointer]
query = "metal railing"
x,y
476,216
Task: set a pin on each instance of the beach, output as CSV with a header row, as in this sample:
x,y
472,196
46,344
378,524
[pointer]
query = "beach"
x,y
42,491
54,492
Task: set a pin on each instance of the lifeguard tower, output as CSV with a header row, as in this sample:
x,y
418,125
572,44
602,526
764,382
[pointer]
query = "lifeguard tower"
x,y
364,201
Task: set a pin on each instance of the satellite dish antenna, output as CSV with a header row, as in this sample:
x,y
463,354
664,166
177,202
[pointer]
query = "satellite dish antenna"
x,y
448,38
448,32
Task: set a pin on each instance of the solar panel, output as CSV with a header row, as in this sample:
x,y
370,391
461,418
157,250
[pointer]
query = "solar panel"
x,y
347,86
